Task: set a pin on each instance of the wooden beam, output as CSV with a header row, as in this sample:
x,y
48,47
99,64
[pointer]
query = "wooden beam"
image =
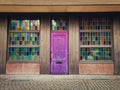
x,y
88,8
73,45
60,2
3,44
116,44
45,46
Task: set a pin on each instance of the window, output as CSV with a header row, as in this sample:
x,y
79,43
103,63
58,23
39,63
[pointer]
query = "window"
x,y
59,23
24,40
95,38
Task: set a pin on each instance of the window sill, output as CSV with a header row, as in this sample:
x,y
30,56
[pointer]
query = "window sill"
x,y
97,62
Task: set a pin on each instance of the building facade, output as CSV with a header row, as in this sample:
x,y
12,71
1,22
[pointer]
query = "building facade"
x,y
59,38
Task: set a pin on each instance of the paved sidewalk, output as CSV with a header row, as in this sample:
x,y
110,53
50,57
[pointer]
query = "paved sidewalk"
x,y
59,82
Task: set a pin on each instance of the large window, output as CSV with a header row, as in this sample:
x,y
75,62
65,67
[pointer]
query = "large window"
x,y
24,40
95,38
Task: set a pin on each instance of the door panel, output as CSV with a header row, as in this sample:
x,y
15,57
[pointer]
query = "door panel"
x,y
59,52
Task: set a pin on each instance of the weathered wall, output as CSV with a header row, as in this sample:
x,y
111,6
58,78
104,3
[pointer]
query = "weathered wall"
x,y
59,5
74,45
62,8
58,2
3,44
22,68
116,39
96,69
45,45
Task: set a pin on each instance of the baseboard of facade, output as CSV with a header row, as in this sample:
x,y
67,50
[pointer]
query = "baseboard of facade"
x,y
34,69
22,68
96,69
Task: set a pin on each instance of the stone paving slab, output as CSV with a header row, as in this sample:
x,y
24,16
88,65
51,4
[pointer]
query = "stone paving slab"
x,y
59,82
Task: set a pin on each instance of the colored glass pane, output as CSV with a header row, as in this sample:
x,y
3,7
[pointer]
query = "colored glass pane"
x,y
95,38
24,38
95,53
59,24
17,53
24,24
89,23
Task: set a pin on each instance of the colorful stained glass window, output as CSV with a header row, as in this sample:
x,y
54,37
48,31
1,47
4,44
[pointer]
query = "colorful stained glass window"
x,y
95,38
89,23
17,53
24,40
102,53
24,24
59,24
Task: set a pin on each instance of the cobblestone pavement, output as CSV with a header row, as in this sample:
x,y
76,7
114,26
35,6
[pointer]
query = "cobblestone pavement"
x,y
54,82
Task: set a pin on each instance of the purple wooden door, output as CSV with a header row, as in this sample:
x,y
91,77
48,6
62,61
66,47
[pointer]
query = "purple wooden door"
x,y
59,53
